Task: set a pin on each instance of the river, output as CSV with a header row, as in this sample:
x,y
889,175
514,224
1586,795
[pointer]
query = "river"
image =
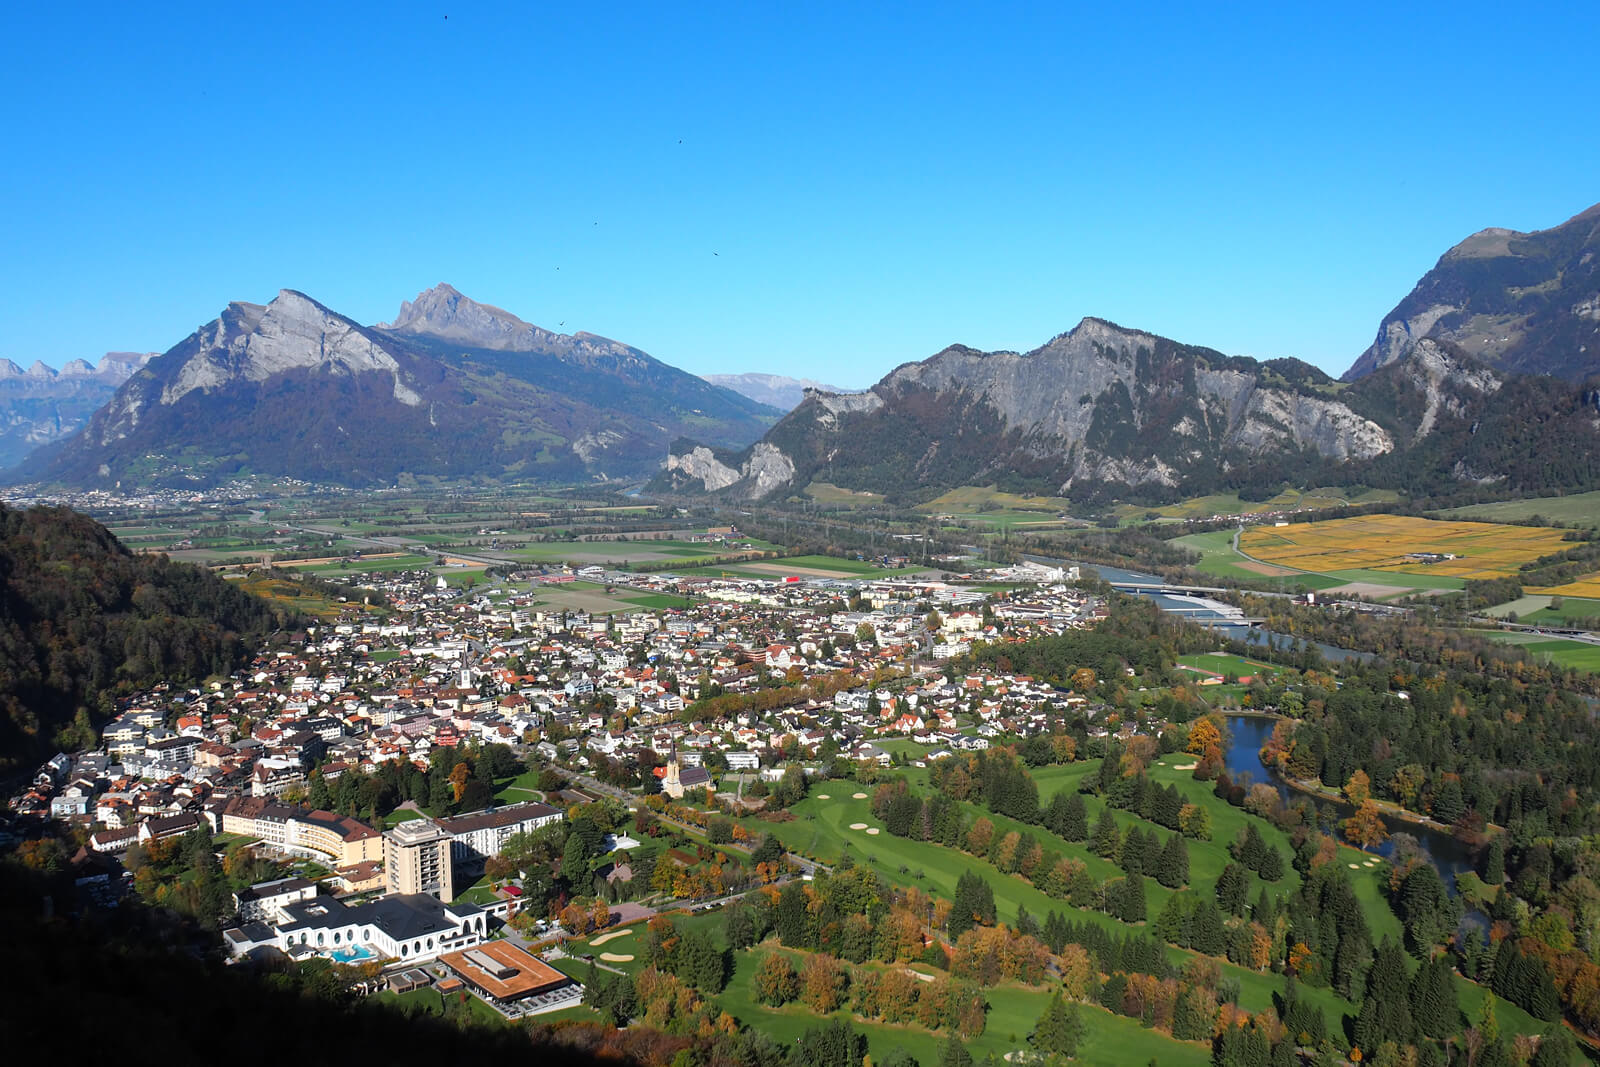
x,y
1247,733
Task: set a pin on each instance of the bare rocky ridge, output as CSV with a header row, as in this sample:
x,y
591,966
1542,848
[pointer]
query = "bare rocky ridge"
x,y
1097,404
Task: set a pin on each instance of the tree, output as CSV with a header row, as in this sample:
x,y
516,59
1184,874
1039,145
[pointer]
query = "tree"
x,y
776,982
1173,869
1365,828
1106,839
954,1054
1204,734
1059,1029
1359,788
1132,899
822,983
834,1044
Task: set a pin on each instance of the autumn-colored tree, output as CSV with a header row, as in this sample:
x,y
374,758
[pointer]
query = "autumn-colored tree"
x,y
980,837
1365,828
601,914
1359,788
575,918
458,779
823,981
775,980
1076,971
1137,754
1204,733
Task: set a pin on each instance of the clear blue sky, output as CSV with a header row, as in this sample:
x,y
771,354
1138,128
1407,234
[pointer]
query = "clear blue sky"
x,y
815,190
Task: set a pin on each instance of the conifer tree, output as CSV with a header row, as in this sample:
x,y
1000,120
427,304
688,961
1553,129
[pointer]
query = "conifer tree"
x,y
1107,839
1173,869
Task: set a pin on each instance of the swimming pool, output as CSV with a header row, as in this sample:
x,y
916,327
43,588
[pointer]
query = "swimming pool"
x,y
353,954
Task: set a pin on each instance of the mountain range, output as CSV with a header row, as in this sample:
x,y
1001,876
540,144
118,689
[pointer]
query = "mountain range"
x,y
1105,411
450,389
40,404
1476,378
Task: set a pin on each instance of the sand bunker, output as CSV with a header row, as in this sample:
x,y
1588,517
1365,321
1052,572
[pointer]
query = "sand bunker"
x,y
873,830
612,936
1186,766
858,796
1355,866
612,957
823,796
858,826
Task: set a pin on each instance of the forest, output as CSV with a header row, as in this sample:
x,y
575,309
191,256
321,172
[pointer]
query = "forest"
x,y
84,621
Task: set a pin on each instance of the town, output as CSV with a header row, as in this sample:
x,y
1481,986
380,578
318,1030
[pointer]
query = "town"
x,y
574,708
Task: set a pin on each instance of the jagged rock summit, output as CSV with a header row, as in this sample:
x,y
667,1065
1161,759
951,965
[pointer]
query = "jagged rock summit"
x,y
40,405
450,389
1522,302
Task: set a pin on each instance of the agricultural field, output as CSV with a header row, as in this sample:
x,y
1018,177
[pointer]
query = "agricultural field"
x,y
1000,509
627,552
1220,559
1369,546
828,495
592,598
1219,504
798,567
1587,587
1578,509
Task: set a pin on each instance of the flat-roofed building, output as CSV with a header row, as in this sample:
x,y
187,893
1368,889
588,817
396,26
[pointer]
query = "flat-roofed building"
x,y
416,859
504,974
410,928
480,834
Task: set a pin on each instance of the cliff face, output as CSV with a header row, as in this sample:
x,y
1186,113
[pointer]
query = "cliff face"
x,y
1526,303
1098,404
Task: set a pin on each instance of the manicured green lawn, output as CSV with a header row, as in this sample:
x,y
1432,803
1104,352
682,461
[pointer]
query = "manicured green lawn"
x,y
1580,655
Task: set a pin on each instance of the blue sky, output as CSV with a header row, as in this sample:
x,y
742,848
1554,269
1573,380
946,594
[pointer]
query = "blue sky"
x,y
815,190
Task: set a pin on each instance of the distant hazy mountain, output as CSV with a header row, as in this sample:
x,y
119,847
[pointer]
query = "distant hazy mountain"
x,y
40,405
1523,302
774,390
451,388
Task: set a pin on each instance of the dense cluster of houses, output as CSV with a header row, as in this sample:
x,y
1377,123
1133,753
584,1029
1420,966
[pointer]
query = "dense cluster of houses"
x,y
440,671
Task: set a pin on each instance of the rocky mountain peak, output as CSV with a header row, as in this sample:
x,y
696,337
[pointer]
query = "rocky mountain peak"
x,y
1522,302
445,312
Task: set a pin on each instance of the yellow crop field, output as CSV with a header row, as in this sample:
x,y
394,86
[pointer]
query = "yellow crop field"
x,y
1588,587
1403,544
